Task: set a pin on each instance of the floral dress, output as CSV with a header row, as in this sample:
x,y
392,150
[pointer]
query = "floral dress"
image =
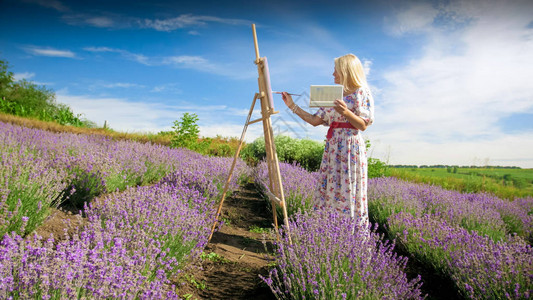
x,y
343,170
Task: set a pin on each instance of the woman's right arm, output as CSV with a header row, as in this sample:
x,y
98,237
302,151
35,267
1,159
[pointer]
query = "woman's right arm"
x,y
307,117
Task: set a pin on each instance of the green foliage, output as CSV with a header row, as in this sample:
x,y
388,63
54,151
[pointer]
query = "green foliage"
x,y
6,78
186,132
257,229
85,186
376,167
185,135
214,257
199,285
26,99
307,153
220,150
254,152
503,182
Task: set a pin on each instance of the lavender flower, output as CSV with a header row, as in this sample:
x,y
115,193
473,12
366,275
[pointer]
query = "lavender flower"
x,y
37,166
327,260
299,185
133,240
480,267
480,212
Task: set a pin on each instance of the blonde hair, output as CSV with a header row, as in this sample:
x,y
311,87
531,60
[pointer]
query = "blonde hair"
x,y
351,73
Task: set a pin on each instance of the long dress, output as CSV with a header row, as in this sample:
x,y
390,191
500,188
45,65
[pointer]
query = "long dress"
x,y
343,170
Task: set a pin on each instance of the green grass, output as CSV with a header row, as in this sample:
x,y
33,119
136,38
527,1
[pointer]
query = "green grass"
x,y
257,229
504,183
214,257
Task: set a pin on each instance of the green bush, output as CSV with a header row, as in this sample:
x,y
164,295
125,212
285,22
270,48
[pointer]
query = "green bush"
x,y
254,152
377,168
185,134
26,99
307,153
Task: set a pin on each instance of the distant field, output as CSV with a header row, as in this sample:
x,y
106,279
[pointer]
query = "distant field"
x,y
506,183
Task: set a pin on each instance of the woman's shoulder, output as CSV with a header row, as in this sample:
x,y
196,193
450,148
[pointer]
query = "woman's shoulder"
x,y
356,93
362,91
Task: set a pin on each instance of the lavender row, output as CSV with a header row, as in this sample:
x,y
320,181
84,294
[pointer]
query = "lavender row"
x,y
299,185
462,236
483,213
480,267
451,232
134,242
328,260
39,169
28,185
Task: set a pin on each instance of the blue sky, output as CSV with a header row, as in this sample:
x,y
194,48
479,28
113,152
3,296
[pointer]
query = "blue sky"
x,y
451,79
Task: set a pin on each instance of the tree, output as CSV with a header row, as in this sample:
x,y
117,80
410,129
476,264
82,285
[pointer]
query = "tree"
x,y
186,131
6,79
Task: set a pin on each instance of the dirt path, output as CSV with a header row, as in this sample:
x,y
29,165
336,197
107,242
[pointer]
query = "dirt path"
x,y
236,256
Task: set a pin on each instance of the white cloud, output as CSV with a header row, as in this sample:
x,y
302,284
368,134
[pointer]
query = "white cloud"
x,y
49,52
119,113
57,5
187,20
101,49
253,131
205,65
503,150
25,75
125,85
125,115
142,59
100,21
452,97
367,64
194,62
119,21
169,87
187,60
413,17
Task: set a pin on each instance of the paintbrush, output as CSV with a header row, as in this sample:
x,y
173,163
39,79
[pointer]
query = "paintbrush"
x,y
287,93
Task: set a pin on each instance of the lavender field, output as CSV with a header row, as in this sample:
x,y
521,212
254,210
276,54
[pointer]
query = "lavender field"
x,y
478,241
150,214
147,212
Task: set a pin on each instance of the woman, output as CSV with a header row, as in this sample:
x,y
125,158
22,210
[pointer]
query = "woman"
x,y
343,171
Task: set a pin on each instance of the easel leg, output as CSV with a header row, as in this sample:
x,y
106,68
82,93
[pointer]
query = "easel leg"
x,y
226,186
276,185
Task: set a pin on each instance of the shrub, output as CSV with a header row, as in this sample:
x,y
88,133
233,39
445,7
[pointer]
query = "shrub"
x,y
26,99
307,153
377,168
185,131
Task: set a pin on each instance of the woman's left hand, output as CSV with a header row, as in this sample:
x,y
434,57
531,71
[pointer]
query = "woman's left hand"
x,y
340,106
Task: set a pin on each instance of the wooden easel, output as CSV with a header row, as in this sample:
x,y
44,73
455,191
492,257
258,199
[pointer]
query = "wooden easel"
x,y
267,109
